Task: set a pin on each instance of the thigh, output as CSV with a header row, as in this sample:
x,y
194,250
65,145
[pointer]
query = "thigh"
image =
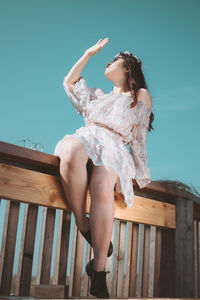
x,y
72,149
102,181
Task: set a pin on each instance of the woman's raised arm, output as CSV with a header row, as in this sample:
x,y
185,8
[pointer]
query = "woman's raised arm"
x,y
75,72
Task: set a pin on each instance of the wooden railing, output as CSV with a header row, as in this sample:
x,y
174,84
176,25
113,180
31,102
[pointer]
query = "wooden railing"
x,y
156,241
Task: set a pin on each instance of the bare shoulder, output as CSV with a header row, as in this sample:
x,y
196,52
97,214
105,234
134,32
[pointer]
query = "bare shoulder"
x,y
145,96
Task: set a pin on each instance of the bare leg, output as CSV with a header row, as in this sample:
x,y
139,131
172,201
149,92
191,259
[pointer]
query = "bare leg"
x,y
102,183
73,173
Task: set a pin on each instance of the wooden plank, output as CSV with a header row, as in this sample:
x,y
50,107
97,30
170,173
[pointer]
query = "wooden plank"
x,y
44,290
196,211
54,279
38,188
73,252
9,236
19,269
85,278
48,246
89,281
24,274
121,259
78,263
115,259
31,187
146,211
184,247
134,259
157,262
140,262
145,277
143,211
196,262
152,262
42,234
29,158
128,260
4,238
109,265
198,252
47,163
64,248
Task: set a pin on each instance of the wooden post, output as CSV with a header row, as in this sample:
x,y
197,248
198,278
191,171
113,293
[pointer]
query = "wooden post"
x,y
184,247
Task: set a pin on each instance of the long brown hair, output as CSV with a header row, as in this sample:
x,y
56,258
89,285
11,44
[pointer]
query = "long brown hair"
x,y
135,78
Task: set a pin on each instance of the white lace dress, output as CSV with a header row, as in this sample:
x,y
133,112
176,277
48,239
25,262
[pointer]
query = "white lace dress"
x,y
106,147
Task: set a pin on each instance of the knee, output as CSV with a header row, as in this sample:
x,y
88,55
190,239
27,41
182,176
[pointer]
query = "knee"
x,y
67,160
70,155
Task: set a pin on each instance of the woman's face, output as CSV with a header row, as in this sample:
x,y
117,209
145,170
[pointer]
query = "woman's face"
x,y
115,71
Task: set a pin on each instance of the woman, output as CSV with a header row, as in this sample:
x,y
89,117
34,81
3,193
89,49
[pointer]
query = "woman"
x,y
112,121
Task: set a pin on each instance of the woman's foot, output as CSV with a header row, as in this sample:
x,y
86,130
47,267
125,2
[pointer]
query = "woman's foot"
x,y
87,236
98,286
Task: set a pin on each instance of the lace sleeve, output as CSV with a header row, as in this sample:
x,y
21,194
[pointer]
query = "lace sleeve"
x,y
82,95
138,146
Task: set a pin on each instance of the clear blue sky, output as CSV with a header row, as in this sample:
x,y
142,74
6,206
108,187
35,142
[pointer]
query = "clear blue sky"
x,y
41,40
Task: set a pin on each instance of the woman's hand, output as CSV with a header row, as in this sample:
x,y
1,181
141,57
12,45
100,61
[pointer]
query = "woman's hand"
x,y
97,47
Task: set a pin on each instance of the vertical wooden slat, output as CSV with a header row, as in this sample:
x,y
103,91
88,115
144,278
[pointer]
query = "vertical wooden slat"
x,y
134,252
121,259
48,245
4,238
42,234
89,281
157,262
78,263
19,269
115,260
141,254
24,274
73,251
109,266
198,251
9,240
196,263
145,275
184,248
54,280
85,278
128,260
64,248
152,262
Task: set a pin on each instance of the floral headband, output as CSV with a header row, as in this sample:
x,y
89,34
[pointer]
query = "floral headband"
x,y
131,55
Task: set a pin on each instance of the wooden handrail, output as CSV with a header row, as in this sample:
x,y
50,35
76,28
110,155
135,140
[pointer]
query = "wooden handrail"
x,y
34,178
49,164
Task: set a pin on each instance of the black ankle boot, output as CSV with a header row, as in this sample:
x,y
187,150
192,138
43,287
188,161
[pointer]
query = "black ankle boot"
x,y
87,236
98,286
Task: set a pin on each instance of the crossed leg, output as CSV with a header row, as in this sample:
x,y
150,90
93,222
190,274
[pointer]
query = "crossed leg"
x,y
73,173
101,187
